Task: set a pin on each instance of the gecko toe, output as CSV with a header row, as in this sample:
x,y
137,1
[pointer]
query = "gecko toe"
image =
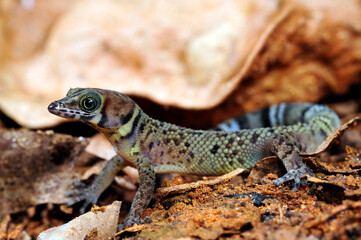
x,y
295,175
78,184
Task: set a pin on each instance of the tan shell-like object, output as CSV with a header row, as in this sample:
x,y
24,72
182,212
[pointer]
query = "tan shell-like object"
x,y
190,54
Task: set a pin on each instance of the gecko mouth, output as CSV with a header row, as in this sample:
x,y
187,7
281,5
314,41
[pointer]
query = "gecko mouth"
x,y
59,109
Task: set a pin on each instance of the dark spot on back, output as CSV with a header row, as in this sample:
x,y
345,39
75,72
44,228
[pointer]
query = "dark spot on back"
x,y
150,146
183,151
148,133
240,160
254,138
177,141
214,149
225,134
141,127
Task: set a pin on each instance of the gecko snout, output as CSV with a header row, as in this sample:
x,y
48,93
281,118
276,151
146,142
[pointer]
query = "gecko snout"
x,y
55,107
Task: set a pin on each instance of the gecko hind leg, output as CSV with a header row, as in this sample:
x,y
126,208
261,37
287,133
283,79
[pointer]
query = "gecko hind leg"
x,y
286,148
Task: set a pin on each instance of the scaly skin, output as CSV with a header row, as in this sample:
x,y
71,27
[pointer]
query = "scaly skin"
x,y
152,146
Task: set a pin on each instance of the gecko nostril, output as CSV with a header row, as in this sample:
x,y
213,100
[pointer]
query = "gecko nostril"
x,y
55,106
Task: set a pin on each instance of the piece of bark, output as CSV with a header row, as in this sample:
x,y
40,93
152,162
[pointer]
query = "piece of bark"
x,y
38,167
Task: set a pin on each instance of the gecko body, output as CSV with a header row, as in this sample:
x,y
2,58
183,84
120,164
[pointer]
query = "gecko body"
x,y
152,146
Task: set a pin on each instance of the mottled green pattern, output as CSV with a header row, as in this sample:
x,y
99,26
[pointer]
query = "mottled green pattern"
x,y
175,149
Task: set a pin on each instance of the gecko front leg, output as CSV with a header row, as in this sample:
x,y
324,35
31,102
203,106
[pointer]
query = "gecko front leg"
x,y
286,148
91,193
144,193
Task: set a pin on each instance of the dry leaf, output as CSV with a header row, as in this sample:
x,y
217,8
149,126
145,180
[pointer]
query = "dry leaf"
x,y
96,224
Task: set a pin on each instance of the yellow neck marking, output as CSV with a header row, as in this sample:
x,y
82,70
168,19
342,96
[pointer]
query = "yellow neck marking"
x,y
127,128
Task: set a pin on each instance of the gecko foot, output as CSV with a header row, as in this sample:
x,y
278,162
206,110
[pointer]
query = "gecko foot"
x,y
85,192
128,223
295,175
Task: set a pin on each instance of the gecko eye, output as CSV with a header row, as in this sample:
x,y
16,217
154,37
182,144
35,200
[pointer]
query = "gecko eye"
x,y
89,103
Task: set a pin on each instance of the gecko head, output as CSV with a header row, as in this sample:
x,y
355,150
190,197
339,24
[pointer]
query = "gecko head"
x,y
99,108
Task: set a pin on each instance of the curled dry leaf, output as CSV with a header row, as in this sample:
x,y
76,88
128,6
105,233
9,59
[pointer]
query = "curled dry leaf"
x,y
94,224
264,167
185,54
337,133
351,164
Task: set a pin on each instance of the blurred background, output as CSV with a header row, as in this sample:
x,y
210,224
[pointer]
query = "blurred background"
x,y
192,63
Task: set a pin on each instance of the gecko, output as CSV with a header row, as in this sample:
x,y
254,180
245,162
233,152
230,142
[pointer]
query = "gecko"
x,y
153,146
